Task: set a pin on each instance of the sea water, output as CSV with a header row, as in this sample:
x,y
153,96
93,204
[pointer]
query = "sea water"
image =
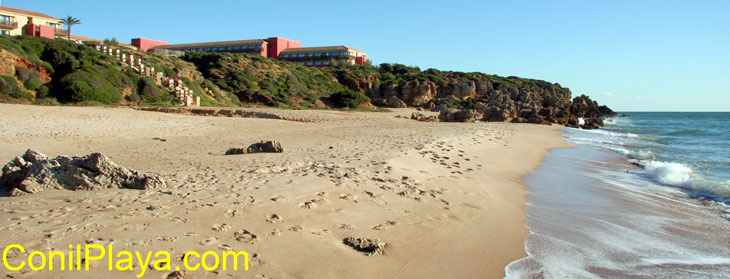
x,y
644,197
688,150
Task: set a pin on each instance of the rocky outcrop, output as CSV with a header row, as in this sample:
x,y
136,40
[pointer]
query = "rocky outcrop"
x,y
424,118
373,247
264,146
34,172
496,99
584,107
460,115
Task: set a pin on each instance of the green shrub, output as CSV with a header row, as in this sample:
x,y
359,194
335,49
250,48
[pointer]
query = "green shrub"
x,y
9,86
86,86
23,74
470,103
148,90
33,84
30,79
43,92
348,99
133,97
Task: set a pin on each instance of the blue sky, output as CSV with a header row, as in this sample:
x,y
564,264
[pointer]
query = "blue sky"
x,y
636,55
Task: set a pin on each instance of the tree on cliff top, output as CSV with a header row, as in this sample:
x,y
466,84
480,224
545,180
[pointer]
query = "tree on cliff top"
x,y
70,21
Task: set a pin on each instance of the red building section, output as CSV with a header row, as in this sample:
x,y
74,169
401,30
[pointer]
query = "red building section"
x,y
276,45
361,60
45,31
146,44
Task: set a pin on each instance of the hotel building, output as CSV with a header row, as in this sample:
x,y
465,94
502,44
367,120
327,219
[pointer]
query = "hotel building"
x,y
16,22
274,47
322,56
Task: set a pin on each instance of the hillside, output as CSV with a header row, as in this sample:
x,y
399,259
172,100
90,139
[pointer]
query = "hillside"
x,y
37,70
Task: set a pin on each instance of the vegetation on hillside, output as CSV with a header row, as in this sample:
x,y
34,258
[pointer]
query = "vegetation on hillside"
x,y
59,71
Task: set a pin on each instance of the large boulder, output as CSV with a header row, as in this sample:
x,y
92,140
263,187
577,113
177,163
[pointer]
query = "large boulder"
x,y
394,102
457,115
583,106
418,93
270,146
373,247
34,172
424,118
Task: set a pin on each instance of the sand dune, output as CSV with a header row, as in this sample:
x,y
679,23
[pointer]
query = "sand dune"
x,y
446,197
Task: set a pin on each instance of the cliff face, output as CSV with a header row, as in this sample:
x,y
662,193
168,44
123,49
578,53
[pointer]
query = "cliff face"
x,y
492,98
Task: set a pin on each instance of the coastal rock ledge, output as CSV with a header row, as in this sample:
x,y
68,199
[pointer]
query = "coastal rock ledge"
x,y
34,172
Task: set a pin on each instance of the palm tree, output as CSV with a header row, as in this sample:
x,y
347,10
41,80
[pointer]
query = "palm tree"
x,y
70,21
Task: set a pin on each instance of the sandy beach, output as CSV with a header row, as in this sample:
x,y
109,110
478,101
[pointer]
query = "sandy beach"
x,y
446,197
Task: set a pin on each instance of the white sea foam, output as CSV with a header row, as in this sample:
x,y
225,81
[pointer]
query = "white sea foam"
x,y
642,155
672,174
681,175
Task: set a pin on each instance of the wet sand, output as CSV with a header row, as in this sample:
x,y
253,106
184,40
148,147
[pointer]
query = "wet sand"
x,y
446,197
591,217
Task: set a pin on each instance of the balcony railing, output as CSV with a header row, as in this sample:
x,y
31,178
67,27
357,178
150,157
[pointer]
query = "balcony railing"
x,y
60,32
9,24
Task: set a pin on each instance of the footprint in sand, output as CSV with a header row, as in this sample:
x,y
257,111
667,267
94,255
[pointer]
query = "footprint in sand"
x,y
346,227
321,232
221,227
246,236
209,241
384,226
274,218
314,203
348,197
278,198
230,213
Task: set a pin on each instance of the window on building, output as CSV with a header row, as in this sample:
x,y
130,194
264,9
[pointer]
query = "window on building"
x,y
343,53
200,49
326,54
258,47
318,63
230,48
4,32
309,54
317,54
301,63
326,62
207,49
250,47
309,63
334,54
301,55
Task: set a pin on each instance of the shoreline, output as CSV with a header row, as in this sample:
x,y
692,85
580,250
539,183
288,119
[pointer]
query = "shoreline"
x,y
620,225
448,198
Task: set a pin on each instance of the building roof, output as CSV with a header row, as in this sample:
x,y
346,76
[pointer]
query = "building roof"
x,y
32,14
213,44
